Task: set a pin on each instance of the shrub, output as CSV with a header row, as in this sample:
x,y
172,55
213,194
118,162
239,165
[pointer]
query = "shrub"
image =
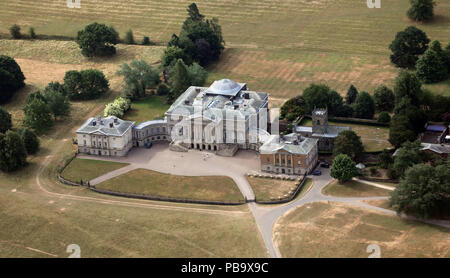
x,y
13,154
374,171
129,37
15,31
421,10
163,90
384,98
343,168
38,115
117,108
32,33
5,121
384,117
364,106
146,41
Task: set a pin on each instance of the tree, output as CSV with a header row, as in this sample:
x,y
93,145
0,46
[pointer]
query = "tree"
x,y
172,54
364,106
197,75
384,117
11,78
421,10
200,39
30,140
5,121
401,131
407,46
384,98
385,159
56,86
424,191
38,115
13,154
348,143
162,90
321,96
97,40
15,31
129,37
432,67
343,168
352,92
85,84
138,76
57,102
407,155
146,41
32,33
179,81
293,108
117,108
408,85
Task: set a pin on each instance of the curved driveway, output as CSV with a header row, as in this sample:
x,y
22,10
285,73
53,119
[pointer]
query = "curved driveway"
x,y
196,163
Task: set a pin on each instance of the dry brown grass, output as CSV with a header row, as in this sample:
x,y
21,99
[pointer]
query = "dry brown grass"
x,y
339,230
265,189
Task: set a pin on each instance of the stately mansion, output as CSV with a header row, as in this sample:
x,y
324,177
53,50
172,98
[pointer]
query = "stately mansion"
x,y
222,118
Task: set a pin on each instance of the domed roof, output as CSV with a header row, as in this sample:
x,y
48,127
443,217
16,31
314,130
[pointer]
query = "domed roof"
x,y
225,87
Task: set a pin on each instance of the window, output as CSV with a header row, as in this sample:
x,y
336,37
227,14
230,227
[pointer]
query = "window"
x,y
94,143
137,134
164,129
157,130
84,142
318,122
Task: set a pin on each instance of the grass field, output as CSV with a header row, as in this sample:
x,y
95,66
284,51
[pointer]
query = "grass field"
x,y
36,223
87,169
354,189
266,189
374,138
146,182
338,230
150,108
275,46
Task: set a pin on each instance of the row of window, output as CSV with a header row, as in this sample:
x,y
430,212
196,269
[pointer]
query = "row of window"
x,y
147,133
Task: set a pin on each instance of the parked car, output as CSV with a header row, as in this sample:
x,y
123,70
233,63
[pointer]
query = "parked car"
x,y
316,173
148,145
325,165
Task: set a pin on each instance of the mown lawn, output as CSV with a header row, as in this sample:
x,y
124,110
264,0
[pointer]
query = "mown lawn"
x,y
337,230
354,189
150,108
269,189
88,169
374,138
146,182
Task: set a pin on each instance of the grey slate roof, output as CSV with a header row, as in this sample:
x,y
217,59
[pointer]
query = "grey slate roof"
x,y
275,144
109,126
437,148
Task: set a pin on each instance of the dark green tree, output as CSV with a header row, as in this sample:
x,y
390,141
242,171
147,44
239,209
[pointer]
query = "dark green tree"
x,y
421,10
11,78
32,33
57,102
179,81
384,117
38,115
85,84
163,90
138,77
424,191
5,121
401,131
145,41
343,168
15,31
97,40
406,156
316,96
384,98
348,143
172,54
385,159
30,140
293,108
13,154
364,106
432,67
129,37
55,86
197,75
407,46
352,92
408,85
